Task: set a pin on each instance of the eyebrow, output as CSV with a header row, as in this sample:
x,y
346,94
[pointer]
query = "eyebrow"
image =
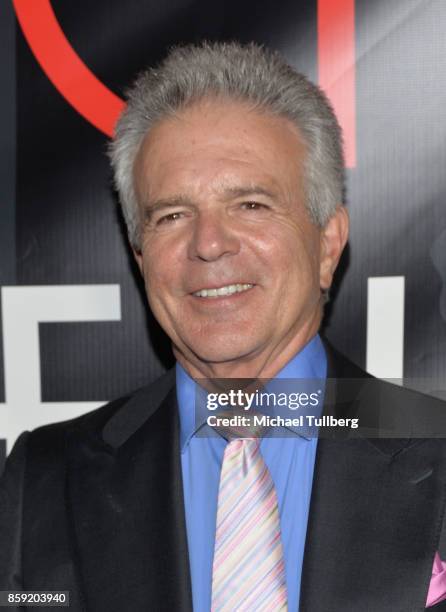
x,y
240,192
151,207
181,200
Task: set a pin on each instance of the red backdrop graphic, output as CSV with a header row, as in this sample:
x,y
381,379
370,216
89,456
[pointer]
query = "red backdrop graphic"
x,y
60,62
94,101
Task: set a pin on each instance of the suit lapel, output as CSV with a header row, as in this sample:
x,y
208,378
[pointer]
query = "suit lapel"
x,y
128,512
374,520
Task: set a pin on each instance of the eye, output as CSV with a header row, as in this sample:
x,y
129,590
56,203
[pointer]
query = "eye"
x,y
170,218
254,206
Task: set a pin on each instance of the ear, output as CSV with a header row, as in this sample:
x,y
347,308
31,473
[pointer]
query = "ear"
x,y
333,240
137,254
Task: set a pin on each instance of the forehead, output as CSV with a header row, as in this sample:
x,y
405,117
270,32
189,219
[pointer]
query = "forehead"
x,y
220,144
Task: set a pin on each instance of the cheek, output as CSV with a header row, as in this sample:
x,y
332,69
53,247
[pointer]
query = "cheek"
x,y
160,261
290,256
157,281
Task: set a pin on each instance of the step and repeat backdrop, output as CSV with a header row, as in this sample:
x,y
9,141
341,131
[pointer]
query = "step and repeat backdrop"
x,y
75,331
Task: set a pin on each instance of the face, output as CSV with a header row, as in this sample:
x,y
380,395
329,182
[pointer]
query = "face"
x,y
233,265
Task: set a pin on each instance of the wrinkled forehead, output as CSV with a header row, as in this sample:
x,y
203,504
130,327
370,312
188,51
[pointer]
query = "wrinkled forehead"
x,y
220,143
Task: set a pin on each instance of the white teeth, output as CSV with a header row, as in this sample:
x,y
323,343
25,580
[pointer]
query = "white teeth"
x,y
226,290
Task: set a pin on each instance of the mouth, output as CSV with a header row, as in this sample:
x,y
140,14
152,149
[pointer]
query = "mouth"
x,y
225,290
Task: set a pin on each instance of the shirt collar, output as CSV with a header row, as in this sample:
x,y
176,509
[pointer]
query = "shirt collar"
x,y
310,362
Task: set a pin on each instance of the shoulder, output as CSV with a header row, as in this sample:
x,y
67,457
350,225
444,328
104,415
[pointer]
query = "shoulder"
x,y
342,368
46,444
385,409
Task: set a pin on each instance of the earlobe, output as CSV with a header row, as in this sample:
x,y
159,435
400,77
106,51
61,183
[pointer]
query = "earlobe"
x,y
334,237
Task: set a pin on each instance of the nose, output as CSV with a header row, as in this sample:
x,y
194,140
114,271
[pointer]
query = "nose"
x,y
213,237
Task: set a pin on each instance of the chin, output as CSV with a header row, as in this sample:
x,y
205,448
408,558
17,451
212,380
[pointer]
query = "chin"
x,y
214,356
221,350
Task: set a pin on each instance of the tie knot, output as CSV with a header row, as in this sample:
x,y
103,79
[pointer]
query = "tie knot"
x,y
238,424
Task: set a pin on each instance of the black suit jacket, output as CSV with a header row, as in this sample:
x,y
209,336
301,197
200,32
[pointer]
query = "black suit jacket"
x,y
95,506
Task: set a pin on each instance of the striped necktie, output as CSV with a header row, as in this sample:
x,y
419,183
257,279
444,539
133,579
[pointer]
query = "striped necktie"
x,y
248,570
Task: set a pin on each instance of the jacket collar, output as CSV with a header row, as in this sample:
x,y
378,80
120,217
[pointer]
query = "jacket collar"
x,y
137,410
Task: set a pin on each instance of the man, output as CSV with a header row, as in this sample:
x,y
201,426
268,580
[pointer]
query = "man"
x,y
230,172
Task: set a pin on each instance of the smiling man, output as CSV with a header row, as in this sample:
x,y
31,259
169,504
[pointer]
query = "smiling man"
x,y
232,261
229,169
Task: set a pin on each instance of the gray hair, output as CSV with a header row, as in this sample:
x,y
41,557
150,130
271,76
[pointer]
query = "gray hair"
x,y
246,73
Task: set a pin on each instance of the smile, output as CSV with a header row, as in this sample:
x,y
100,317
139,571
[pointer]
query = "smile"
x,y
226,290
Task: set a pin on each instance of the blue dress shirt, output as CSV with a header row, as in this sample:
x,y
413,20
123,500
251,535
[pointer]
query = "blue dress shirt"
x,y
290,461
